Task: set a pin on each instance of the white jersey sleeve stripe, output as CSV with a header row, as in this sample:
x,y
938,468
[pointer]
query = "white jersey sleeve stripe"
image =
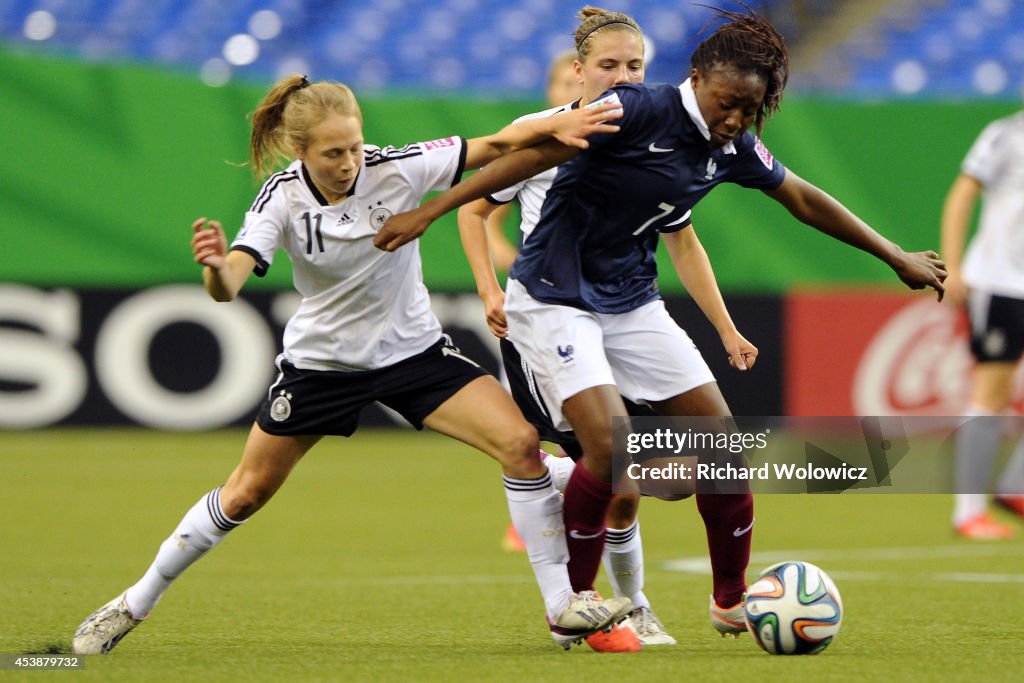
x,y
268,189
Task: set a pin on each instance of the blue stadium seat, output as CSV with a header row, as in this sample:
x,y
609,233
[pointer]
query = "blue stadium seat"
x,y
958,49
933,49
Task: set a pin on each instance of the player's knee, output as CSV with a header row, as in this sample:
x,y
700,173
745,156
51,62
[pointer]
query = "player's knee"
x,y
519,448
622,510
241,501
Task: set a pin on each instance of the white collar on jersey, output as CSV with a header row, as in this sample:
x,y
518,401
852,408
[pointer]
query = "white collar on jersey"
x,y
693,109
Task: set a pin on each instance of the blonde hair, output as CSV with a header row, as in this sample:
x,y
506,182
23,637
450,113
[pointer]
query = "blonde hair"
x,y
283,119
560,61
593,19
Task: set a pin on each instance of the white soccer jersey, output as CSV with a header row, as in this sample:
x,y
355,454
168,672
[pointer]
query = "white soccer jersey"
x,y
362,308
531,191
994,261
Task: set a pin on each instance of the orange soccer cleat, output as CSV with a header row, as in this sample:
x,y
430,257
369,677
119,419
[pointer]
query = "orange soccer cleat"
x,y
984,528
618,639
731,621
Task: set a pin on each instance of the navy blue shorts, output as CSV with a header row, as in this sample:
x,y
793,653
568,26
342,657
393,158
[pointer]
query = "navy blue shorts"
x,y
321,402
997,328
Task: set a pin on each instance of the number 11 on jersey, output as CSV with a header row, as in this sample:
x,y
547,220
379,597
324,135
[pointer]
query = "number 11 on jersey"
x,y
309,232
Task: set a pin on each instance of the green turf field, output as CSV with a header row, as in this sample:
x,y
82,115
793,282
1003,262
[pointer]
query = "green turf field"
x,y
380,561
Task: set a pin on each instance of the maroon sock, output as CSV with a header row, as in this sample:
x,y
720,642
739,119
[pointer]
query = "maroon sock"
x,y
584,507
729,521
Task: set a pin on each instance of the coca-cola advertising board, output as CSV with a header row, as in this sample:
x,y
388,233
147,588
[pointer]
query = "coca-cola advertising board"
x,y
877,353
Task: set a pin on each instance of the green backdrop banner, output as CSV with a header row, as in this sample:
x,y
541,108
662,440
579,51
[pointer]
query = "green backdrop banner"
x,y
105,166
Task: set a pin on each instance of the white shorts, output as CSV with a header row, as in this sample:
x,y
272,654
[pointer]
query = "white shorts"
x,y
642,352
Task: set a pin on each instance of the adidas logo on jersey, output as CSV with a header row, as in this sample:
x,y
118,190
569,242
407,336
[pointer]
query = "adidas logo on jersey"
x,y
345,220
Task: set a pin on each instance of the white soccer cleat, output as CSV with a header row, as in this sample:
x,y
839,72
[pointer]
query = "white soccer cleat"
x,y
561,468
729,622
587,614
104,628
648,628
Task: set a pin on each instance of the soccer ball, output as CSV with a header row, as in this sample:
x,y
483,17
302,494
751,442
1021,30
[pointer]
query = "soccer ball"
x,y
793,608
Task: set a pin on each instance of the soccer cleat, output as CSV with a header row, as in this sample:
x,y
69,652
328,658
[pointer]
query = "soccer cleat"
x,y
1013,503
587,614
512,541
648,628
104,628
618,639
728,622
984,528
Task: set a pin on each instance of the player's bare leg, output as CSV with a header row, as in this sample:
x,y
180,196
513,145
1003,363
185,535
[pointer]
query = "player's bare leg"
x,y
266,463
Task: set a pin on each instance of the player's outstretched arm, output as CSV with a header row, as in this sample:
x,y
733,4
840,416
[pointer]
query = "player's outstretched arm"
x,y
570,127
695,272
497,175
224,272
475,237
816,208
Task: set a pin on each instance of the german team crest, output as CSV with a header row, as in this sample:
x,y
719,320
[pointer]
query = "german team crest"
x,y
281,407
379,215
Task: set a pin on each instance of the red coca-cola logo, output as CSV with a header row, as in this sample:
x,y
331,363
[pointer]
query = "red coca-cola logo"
x,y
918,363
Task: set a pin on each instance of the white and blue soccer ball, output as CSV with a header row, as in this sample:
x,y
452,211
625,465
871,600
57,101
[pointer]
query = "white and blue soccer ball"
x,y
793,608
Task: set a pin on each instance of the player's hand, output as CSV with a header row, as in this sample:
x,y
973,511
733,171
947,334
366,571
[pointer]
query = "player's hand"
x,y
494,309
402,228
922,269
956,288
572,127
742,354
209,245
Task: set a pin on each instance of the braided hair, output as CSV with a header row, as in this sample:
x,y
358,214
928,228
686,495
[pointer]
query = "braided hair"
x,y
748,43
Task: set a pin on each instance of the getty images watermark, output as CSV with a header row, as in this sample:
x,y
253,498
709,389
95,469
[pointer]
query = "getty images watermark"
x,y
674,457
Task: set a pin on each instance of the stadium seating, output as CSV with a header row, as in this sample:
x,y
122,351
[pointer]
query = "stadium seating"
x,y
940,48
952,49
436,45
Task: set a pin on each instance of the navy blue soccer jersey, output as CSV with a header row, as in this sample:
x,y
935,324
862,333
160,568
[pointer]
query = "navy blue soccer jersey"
x,y
594,244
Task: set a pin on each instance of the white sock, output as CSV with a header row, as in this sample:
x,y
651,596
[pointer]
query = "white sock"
x,y
203,526
968,505
561,468
1011,481
977,447
624,563
536,511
